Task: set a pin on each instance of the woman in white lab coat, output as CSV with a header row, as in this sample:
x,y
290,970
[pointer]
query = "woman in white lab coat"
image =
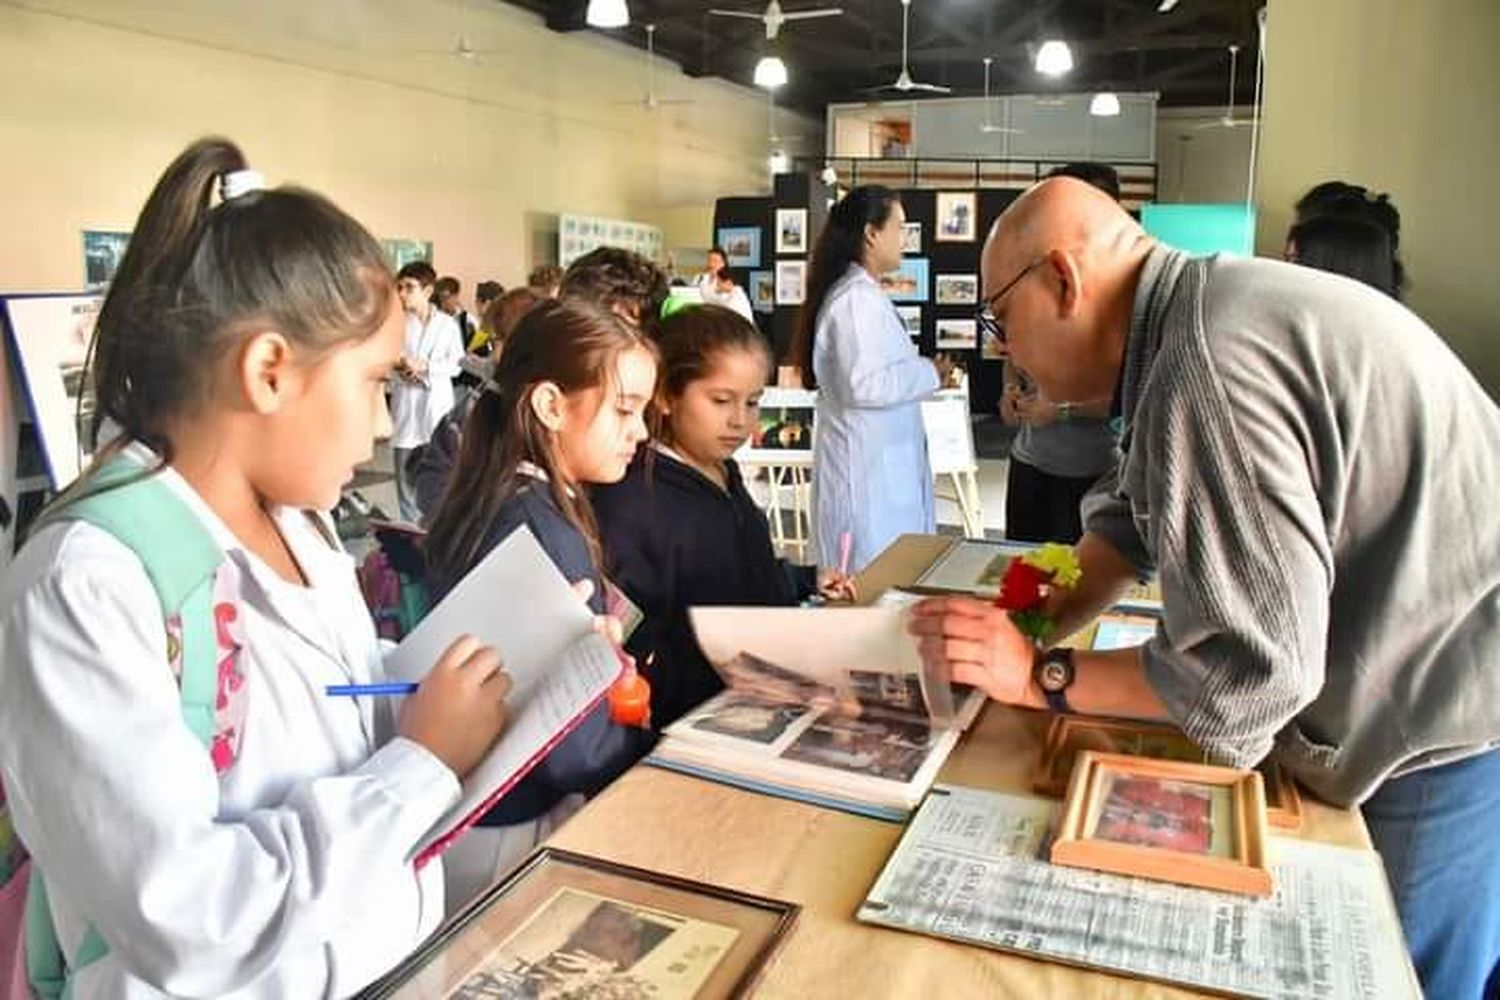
x,y
871,477
267,856
422,391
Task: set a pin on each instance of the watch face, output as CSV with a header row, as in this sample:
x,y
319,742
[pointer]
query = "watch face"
x,y
1054,675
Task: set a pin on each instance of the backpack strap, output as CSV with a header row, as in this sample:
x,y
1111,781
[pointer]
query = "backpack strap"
x,y
180,557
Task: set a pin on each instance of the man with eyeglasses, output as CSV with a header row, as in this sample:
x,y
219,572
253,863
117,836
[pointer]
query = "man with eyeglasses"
x,y
1310,473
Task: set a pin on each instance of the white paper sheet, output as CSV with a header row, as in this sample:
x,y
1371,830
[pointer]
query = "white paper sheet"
x,y
517,601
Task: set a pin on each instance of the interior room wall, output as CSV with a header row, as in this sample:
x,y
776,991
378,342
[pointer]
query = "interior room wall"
x,y
1198,160
365,101
1401,97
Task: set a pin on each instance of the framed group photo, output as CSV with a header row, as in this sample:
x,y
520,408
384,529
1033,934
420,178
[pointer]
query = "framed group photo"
x,y
956,289
1192,824
957,334
791,230
568,925
957,217
741,245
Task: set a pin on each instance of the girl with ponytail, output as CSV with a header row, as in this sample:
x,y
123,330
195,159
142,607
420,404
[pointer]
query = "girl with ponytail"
x,y
251,836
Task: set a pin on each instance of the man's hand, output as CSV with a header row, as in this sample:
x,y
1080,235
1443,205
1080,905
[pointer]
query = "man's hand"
x,y
976,643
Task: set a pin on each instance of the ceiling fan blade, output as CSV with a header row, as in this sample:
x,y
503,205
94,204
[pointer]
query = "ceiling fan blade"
x,y
736,13
803,15
1001,130
931,88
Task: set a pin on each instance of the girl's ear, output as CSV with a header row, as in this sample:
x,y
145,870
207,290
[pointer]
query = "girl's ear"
x,y
549,403
267,374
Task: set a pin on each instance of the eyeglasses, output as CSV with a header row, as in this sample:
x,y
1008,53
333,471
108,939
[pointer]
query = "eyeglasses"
x,y
987,321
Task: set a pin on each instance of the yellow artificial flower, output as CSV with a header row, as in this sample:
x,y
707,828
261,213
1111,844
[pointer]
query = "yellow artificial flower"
x,y
1058,560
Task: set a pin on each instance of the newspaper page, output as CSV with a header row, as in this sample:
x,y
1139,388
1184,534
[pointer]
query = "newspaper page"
x,y
970,868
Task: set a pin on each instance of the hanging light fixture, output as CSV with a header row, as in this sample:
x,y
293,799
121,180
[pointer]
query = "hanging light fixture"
x,y
770,72
1106,104
607,14
1054,58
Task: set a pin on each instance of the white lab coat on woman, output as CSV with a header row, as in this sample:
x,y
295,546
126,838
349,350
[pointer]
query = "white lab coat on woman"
x,y
416,409
871,476
274,866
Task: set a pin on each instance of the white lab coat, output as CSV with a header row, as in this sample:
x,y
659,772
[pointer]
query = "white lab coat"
x,y
416,409
735,298
284,875
871,476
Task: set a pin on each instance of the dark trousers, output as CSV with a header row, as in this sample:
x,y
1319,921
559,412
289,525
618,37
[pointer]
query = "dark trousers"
x,y
1041,507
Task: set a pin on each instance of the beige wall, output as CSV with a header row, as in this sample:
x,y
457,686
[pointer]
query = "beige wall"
x,y
1199,160
1403,97
96,96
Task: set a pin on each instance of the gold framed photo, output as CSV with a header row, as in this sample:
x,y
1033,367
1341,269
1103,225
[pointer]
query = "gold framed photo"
x,y
1193,824
1069,735
568,925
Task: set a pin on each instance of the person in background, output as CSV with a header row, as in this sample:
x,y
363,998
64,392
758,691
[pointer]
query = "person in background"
x,y
485,294
718,287
269,856
422,391
1336,230
680,530
564,409
1307,468
871,476
545,279
447,295
1062,446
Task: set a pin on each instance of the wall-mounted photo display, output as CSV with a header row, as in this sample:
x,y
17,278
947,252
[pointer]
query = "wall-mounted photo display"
x,y
51,335
763,291
741,245
957,217
791,230
791,282
956,290
956,335
908,283
102,252
911,318
400,251
911,237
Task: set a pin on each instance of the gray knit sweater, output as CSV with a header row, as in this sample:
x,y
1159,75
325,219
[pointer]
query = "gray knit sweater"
x,y
1312,473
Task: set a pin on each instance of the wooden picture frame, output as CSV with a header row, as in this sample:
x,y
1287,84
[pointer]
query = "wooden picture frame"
x,y
1068,735
563,915
1193,824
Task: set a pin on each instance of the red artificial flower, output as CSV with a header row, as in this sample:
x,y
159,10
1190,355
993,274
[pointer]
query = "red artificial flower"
x,y
1021,588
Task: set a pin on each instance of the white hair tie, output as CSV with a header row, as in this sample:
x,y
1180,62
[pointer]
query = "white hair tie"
x,y
237,182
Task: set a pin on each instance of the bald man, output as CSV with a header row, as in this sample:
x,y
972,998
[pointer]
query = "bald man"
x,y
1311,473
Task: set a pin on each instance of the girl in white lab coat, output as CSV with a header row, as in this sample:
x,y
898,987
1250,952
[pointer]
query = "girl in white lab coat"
x,y
871,477
237,355
422,389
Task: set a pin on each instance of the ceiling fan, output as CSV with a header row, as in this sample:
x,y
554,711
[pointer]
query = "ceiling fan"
x,y
651,102
774,17
462,49
1227,119
904,83
989,127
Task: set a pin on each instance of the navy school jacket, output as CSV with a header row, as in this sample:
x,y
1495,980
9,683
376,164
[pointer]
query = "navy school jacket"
x,y
598,751
672,539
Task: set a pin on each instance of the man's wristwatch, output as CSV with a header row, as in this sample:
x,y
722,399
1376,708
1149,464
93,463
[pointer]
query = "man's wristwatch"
x,y
1053,672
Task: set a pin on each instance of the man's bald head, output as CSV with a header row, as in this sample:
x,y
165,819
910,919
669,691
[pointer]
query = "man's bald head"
x,y
1066,257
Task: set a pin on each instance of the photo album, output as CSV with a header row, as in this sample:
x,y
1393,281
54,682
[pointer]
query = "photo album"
x,y
824,705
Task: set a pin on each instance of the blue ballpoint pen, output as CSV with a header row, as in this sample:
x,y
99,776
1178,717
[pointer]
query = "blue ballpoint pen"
x,y
370,689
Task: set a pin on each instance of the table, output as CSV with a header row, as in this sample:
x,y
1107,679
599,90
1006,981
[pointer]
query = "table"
x,y
827,860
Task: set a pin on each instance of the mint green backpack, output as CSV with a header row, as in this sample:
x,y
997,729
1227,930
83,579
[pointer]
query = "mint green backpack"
x,y
181,557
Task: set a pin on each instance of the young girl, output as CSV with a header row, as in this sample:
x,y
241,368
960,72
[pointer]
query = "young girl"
x,y
274,861
680,529
564,408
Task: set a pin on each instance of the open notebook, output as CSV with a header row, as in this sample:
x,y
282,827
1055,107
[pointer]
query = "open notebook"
x,y
517,601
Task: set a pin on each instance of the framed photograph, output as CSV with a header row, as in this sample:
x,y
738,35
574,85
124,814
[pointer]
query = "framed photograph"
x,y
990,347
1070,735
102,252
785,429
911,237
791,282
791,230
1192,824
956,290
957,334
957,217
911,318
401,252
741,245
908,283
567,925
763,291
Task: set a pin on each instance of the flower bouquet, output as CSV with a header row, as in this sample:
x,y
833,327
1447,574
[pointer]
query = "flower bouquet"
x,y
1029,581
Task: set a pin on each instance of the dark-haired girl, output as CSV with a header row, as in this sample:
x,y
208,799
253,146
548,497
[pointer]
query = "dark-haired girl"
x,y
680,529
871,477
564,408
